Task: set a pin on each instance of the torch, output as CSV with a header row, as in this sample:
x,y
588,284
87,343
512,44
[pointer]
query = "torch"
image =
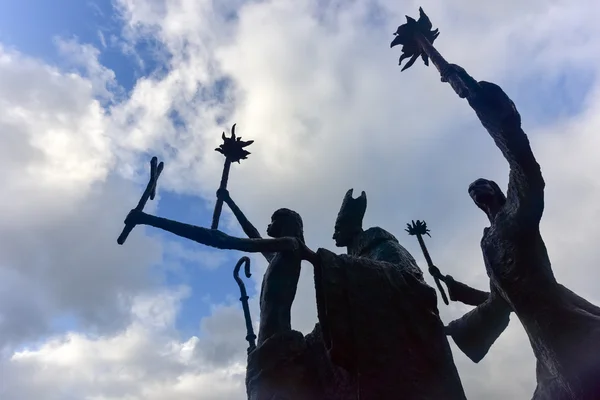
x,y
419,229
233,150
149,193
416,38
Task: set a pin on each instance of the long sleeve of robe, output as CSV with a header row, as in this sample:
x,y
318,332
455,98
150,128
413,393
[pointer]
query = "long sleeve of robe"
x,y
380,322
476,331
465,294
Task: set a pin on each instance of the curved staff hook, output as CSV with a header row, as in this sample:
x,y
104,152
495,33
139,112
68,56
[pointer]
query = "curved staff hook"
x,y
250,336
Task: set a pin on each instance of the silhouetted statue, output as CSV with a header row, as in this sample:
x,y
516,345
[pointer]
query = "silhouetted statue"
x,y
563,328
283,271
285,363
378,319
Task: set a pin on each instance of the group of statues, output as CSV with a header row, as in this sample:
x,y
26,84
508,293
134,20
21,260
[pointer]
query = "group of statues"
x,y
379,334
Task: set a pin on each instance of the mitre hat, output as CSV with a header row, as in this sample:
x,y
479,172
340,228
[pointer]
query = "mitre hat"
x,y
352,210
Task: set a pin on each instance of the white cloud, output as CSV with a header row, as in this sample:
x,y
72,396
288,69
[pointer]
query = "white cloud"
x,y
57,241
147,360
316,85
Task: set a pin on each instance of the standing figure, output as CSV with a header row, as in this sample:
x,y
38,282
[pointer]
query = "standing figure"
x,y
283,272
379,334
285,364
378,316
563,328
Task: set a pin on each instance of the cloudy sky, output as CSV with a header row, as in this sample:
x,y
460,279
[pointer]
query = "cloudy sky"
x,y
90,90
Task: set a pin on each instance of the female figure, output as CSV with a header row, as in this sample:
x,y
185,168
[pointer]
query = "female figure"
x,y
563,328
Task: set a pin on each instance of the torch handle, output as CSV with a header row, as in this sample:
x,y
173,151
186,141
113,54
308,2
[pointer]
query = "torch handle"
x,y
124,233
460,84
441,289
430,264
436,58
219,204
155,172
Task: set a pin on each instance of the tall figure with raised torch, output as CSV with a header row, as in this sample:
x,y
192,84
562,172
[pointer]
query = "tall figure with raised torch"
x,y
563,328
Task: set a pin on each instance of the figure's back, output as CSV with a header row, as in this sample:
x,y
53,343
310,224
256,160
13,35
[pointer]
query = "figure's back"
x,y
381,322
380,245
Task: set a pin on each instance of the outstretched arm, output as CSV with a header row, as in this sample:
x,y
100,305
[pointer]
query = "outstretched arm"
x,y
213,237
248,228
463,293
500,118
475,332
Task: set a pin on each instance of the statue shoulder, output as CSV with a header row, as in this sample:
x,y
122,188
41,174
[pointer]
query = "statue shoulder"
x,y
371,239
377,234
381,245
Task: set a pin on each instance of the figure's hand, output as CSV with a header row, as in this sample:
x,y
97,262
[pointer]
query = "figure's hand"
x,y
463,84
223,195
135,217
436,273
306,253
300,249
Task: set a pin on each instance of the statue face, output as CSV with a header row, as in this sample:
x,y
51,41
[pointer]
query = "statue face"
x,y
274,229
349,220
343,234
285,222
484,194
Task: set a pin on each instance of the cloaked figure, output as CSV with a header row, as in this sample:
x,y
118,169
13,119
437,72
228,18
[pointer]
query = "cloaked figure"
x,y
379,318
563,328
379,334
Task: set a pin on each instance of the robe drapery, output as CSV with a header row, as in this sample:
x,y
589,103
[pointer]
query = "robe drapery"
x,y
290,366
380,322
476,331
563,328
570,327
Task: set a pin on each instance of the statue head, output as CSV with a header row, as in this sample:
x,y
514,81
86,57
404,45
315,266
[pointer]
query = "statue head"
x,y
349,220
286,223
488,196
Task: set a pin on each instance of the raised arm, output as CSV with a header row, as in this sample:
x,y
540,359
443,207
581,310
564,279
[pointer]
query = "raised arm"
x,y
248,228
500,118
213,237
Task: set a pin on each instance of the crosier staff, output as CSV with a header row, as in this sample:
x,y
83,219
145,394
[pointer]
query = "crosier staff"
x,y
233,150
250,336
419,229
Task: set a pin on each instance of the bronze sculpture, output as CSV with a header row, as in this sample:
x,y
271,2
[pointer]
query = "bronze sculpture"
x,y
378,319
233,150
378,316
379,333
563,328
285,362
